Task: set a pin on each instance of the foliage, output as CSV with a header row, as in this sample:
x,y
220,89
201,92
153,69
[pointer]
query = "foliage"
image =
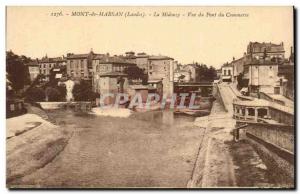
x,y
63,92
83,92
35,94
52,94
135,72
17,72
204,73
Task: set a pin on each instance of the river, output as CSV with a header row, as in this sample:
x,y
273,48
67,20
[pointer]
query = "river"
x,y
152,149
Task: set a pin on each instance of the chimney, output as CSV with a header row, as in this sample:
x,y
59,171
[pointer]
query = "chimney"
x,y
233,58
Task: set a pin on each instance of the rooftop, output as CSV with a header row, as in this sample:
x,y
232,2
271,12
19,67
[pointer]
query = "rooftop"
x,y
112,59
160,57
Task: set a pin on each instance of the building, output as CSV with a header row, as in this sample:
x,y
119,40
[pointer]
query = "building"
x,y
47,64
161,68
108,72
181,75
238,66
79,66
274,52
34,69
262,76
140,59
227,72
194,72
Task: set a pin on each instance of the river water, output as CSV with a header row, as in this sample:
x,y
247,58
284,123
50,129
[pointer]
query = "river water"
x,y
152,149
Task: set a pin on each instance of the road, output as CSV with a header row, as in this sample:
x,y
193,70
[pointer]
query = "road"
x,y
228,96
144,150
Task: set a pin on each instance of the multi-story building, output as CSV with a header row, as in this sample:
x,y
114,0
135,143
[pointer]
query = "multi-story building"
x,y
274,52
194,71
46,64
34,69
79,66
181,75
140,59
162,68
262,76
110,73
227,72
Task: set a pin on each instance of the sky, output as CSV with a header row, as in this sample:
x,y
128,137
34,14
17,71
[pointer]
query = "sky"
x,y
33,32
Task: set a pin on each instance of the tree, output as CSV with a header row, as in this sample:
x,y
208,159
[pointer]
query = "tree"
x,y
18,73
63,92
135,72
204,73
52,94
35,94
83,92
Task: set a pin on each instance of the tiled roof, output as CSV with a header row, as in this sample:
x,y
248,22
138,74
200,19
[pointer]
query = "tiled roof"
x,y
32,63
52,60
160,58
112,59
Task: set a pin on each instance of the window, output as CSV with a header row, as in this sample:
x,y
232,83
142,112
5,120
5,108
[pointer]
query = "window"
x,y
150,67
229,72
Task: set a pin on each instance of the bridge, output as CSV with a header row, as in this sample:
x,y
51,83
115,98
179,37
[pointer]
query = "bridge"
x,y
205,88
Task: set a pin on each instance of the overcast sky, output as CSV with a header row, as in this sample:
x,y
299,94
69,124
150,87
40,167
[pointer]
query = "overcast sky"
x,y
33,32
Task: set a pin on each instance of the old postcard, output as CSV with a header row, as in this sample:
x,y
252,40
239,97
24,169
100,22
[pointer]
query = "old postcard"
x,y
150,97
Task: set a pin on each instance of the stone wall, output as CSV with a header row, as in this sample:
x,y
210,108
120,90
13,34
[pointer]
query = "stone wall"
x,y
281,136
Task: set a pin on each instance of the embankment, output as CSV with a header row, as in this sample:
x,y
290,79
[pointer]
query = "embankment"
x,y
31,149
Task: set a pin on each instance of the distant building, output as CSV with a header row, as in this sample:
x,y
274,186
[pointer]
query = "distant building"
x,y
287,79
181,75
107,70
140,59
47,64
270,50
262,77
34,69
227,72
162,68
194,72
79,66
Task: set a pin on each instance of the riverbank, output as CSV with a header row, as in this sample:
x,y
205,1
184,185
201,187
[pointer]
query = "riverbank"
x,y
222,162
32,143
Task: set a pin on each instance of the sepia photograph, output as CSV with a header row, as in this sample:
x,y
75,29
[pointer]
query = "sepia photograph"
x,y
150,97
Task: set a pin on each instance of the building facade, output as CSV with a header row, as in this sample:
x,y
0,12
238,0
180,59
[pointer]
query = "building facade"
x,y
106,70
227,73
263,77
162,68
270,50
47,64
34,69
79,66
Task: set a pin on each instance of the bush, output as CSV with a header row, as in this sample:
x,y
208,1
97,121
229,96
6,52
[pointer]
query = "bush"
x,y
35,94
83,92
52,94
